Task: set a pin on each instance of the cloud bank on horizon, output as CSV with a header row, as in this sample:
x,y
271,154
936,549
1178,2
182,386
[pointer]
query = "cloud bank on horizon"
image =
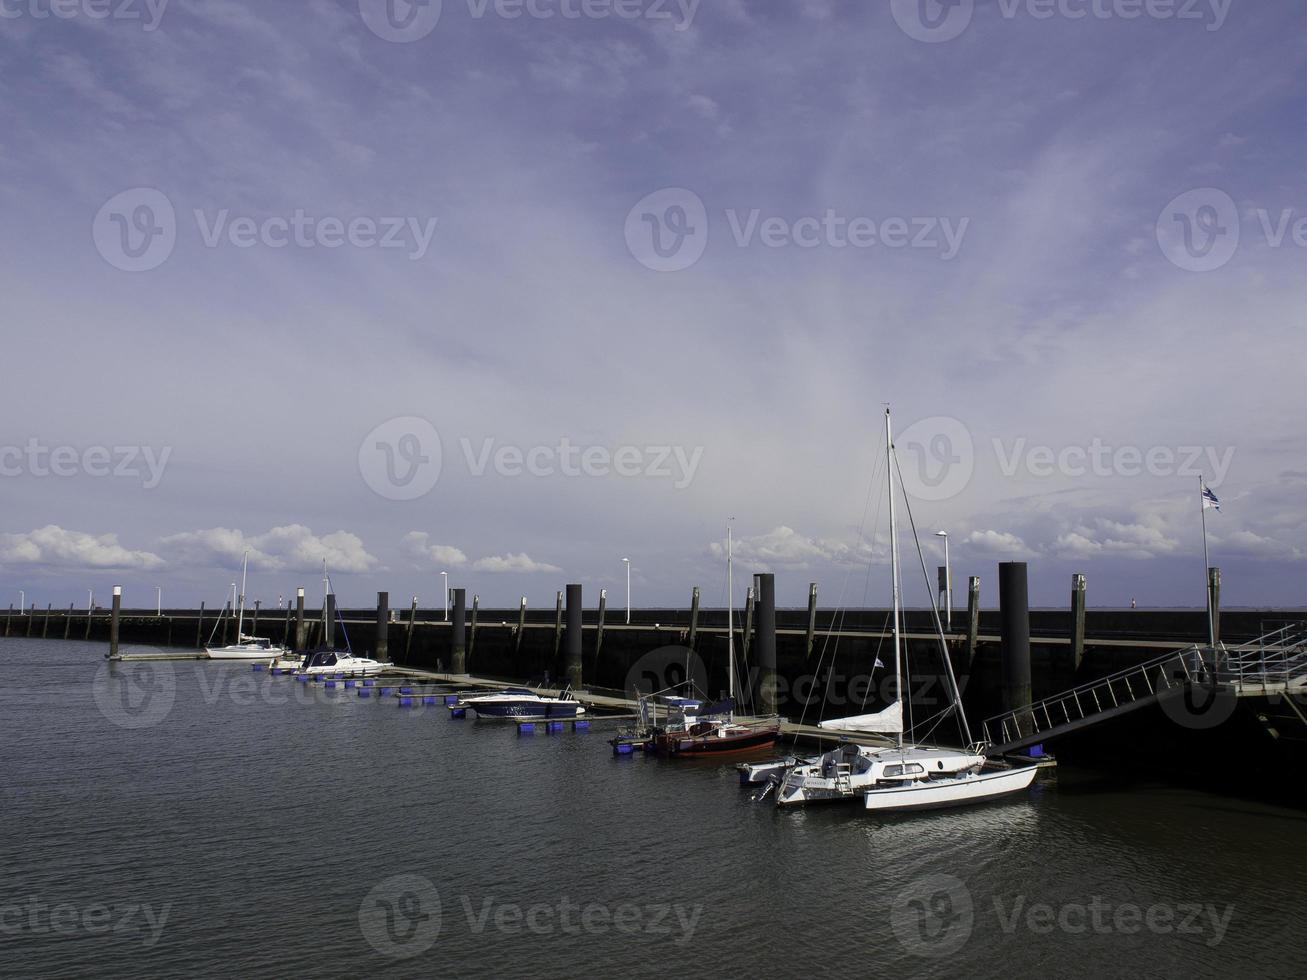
x,y
412,288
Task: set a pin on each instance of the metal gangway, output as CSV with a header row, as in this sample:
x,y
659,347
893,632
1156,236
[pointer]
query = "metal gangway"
x,y
1272,666
1108,697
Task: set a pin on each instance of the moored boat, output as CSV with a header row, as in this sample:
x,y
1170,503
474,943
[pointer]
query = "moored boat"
x,y
522,704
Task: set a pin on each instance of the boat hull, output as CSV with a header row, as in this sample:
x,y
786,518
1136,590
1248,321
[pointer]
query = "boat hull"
x,y
244,652
525,710
686,745
968,789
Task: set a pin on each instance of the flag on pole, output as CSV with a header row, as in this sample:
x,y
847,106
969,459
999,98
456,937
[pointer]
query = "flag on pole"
x,y
1209,499
879,663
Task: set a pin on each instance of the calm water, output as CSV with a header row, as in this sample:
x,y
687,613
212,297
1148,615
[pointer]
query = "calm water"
x,y
248,828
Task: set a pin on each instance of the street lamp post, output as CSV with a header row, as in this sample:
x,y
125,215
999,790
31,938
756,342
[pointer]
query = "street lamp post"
x,y
22,601
948,583
158,601
445,576
627,562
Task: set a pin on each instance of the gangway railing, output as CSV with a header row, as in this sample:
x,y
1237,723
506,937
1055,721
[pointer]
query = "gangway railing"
x,y
1098,700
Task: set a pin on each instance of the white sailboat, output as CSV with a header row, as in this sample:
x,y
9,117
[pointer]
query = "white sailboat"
x,y
903,776
331,662
245,647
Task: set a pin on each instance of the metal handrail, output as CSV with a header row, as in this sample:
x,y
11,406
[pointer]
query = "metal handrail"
x,y
1190,660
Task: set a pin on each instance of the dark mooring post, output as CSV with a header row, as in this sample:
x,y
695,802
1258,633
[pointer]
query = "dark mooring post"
x,y
749,602
812,619
767,644
521,627
90,609
301,641
458,633
572,666
408,633
592,670
45,623
558,628
9,616
973,619
285,628
1014,615
472,632
68,620
1077,620
1214,601
254,621
329,627
113,621
199,627
692,637
31,615
382,641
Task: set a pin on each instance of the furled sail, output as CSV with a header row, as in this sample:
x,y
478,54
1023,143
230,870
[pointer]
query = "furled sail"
x,y
888,721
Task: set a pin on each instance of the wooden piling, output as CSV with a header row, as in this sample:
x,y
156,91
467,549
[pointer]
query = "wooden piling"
x,y
68,621
692,637
45,623
812,619
8,616
408,633
301,640
767,686
29,618
558,628
199,628
599,633
749,601
1214,598
1077,620
381,642
973,620
521,627
90,609
458,633
472,627
285,629
572,667
113,621
254,622
1014,615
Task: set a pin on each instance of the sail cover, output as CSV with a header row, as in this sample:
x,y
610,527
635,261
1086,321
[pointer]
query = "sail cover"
x,y
888,721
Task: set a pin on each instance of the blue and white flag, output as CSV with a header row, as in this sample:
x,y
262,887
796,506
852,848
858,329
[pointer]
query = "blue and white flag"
x,y
879,664
1209,499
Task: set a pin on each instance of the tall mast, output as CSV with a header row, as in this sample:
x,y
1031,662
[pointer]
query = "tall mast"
x,y
240,620
1207,564
730,612
894,566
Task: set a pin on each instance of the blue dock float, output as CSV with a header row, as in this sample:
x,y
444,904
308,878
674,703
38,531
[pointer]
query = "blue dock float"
x,y
350,684
258,667
451,699
526,728
369,682
364,692
580,725
329,684
405,701
623,748
553,726
406,690
303,678
386,691
457,712
429,699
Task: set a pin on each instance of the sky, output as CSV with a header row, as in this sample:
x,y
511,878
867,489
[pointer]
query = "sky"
x,y
513,291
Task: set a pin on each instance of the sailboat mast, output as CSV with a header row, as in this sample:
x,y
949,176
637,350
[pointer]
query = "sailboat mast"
x,y
730,612
1207,565
240,620
894,566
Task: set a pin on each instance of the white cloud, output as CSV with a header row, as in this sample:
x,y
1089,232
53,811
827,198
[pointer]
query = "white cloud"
x,y
512,563
785,546
417,544
997,543
54,546
292,547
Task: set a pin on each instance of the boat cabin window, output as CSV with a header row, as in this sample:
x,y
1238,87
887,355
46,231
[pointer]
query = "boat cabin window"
x,y
911,769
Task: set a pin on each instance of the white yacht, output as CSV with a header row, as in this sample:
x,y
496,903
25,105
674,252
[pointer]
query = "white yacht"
x,y
245,647
903,776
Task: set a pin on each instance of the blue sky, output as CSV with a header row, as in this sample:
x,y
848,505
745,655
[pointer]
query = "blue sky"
x,y
276,260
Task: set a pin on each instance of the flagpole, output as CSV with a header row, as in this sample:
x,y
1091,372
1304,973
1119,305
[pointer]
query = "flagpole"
x,y
1207,575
